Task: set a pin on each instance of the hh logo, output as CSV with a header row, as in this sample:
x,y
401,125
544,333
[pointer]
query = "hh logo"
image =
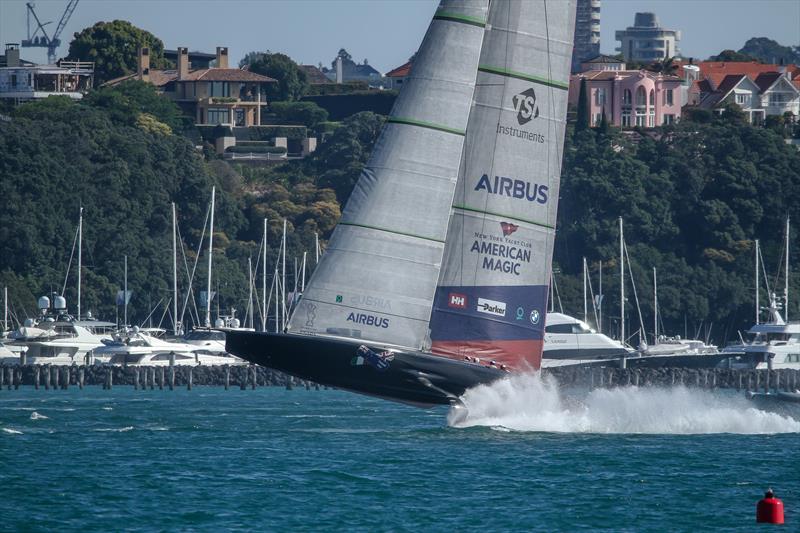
x,y
508,228
459,301
525,106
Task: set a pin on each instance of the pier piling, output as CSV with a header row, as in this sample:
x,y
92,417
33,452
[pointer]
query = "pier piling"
x,y
189,379
227,376
81,375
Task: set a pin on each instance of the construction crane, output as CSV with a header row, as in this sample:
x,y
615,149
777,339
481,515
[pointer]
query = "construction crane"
x,y
39,37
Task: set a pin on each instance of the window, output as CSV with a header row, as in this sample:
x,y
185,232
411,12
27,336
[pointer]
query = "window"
x,y
558,328
599,97
652,97
240,117
218,115
742,99
777,99
641,97
669,119
13,80
597,118
626,97
220,88
668,97
640,120
626,118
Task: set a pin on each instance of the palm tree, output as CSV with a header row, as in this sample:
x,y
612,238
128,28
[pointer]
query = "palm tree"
x,y
666,66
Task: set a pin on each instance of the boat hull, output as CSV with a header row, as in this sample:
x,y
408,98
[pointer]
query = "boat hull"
x,y
414,378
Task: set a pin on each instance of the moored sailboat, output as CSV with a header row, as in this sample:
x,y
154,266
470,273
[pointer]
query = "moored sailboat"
x,y
381,315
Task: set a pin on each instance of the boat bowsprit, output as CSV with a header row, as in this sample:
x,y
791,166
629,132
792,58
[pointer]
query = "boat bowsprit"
x,y
415,378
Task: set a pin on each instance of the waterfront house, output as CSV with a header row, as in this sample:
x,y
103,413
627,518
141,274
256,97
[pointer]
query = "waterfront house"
x,y
217,95
22,81
629,98
396,77
760,90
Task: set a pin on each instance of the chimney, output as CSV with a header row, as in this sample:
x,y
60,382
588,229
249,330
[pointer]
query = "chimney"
x,y
12,55
183,62
339,74
144,63
222,57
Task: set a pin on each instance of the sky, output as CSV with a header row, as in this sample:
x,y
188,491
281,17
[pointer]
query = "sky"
x,y
386,32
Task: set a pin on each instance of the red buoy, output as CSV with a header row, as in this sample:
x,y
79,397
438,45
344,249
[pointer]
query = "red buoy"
x,y
770,509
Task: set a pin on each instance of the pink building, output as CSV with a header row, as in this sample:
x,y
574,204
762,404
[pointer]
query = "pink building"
x,y
629,97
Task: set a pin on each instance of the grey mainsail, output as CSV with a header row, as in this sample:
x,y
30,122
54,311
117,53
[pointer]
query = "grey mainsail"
x,y
492,292
378,277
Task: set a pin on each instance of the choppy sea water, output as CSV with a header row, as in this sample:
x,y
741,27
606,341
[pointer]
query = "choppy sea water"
x,y
527,458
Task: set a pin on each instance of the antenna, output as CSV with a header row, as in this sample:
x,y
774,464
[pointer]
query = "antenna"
x,y
46,41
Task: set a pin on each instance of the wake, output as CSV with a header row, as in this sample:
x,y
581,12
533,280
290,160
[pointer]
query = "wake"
x,y
527,402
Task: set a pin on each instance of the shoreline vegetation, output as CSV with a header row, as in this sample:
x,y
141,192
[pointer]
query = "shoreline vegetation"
x,y
694,196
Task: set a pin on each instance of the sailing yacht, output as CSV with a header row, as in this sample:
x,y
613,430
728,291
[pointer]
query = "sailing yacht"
x,y
435,278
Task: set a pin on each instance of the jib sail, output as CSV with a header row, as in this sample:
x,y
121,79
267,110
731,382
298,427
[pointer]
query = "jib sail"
x,y
378,276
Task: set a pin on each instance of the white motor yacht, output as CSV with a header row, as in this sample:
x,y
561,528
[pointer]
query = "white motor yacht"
x,y
569,341
137,348
57,338
772,345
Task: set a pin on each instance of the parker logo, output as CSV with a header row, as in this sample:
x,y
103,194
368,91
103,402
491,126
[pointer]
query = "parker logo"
x,y
491,307
508,228
457,301
525,106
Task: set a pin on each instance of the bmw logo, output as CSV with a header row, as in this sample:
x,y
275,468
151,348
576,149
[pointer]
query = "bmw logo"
x,y
535,317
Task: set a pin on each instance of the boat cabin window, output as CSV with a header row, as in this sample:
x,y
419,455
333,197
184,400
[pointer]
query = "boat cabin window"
x,y
205,336
567,328
165,357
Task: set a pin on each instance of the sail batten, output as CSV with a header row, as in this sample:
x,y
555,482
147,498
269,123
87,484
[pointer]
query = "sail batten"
x,y
492,291
377,279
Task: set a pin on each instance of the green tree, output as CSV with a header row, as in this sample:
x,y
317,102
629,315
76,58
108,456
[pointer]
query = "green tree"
x,y
732,56
306,113
128,100
666,66
582,121
114,49
768,51
292,83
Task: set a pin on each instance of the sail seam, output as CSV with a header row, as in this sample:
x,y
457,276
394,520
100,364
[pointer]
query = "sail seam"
x,y
501,215
423,124
367,226
456,17
522,76
365,310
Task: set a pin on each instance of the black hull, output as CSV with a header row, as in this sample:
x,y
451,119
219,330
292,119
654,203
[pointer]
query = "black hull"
x,y
410,377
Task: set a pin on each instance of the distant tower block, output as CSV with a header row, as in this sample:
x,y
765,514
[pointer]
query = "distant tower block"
x,y
587,32
646,41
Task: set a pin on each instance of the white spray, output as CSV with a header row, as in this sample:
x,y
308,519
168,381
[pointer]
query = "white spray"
x,y
528,402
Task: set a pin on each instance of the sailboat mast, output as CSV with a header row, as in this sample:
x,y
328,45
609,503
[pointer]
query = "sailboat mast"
x,y
600,301
786,281
250,307
210,253
303,278
585,308
264,282
174,271
757,313
283,277
277,298
125,294
5,308
316,248
621,282
80,242
655,307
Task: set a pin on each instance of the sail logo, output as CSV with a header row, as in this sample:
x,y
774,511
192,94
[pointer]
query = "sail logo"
x,y
457,301
491,307
508,228
525,106
513,188
311,314
368,320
